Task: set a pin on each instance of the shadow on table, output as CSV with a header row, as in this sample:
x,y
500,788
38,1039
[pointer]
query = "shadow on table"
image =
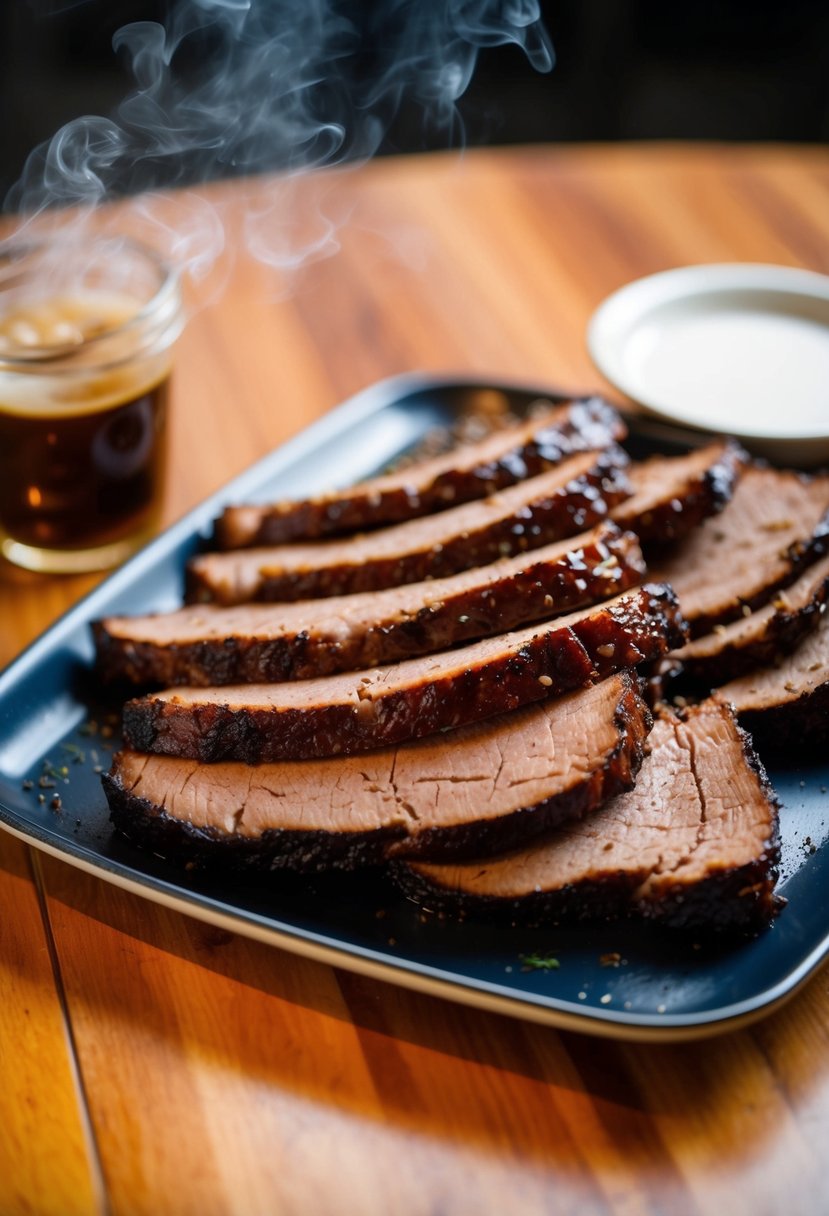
x,y
416,1062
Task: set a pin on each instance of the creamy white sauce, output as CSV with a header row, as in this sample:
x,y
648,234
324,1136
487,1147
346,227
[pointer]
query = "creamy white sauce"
x,y
732,368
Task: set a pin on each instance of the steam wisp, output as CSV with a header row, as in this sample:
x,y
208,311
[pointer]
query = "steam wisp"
x,y
236,87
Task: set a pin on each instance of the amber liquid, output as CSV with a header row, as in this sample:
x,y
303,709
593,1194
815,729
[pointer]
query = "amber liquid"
x,y
81,452
84,480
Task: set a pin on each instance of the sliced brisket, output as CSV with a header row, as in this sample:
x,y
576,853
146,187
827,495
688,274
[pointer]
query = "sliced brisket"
x,y
575,495
786,706
694,844
500,781
776,523
386,705
251,643
674,494
760,638
470,472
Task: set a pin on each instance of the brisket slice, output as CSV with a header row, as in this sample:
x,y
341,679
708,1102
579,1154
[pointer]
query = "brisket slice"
x,y
776,523
786,706
469,472
757,639
563,502
253,643
499,782
694,844
385,705
674,494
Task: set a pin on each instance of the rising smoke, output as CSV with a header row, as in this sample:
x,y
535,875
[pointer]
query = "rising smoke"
x,y
231,87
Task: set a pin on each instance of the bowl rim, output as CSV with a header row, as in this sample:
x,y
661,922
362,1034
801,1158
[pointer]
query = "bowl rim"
x,y
615,319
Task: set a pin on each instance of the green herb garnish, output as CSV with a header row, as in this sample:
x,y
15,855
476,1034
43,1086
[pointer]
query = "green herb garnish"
x,y
539,962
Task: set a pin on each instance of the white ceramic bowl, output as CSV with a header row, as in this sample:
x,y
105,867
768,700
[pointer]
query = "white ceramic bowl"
x,y
739,348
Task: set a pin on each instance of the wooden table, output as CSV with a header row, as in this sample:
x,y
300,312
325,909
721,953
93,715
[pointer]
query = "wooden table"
x,y
151,1064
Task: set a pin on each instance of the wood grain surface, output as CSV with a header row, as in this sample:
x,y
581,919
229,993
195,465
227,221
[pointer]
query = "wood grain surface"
x,y
151,1064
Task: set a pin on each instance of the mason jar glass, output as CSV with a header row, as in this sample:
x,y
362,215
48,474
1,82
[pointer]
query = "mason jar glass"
x,y
87,329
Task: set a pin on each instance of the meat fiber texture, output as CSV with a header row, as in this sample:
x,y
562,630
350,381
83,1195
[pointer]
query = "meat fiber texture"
x,y
470,472
672,495
758,639
776,524
385,705
575,495
694,845
499,782
252,643
786,706
223,777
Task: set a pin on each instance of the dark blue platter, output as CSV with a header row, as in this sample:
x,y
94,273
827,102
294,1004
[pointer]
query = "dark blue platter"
x,y
659,986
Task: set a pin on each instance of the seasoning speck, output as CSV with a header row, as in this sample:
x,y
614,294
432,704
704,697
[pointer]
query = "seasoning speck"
x,y
606,999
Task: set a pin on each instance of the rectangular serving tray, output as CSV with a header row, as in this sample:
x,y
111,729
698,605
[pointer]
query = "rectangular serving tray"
x,y
627,980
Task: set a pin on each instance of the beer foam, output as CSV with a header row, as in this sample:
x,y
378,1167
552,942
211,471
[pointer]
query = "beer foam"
x,y
54,343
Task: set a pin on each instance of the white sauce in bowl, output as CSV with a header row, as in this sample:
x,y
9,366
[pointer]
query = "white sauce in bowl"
x,y
737,369
736,348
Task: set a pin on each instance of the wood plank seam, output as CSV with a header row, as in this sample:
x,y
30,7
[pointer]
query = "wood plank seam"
x,y
93,1150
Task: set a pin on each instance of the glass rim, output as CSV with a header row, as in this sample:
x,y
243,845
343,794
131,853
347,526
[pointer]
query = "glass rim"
x,y
166,294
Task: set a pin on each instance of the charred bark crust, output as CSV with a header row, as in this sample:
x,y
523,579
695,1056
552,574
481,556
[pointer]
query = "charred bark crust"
x,y
154,826
553,661
731,898
799,555
482,838
674,518
740,899
579,578
783,633
591,423
580,504
793,730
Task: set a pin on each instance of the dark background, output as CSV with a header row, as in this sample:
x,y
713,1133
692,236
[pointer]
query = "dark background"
x,y
626,69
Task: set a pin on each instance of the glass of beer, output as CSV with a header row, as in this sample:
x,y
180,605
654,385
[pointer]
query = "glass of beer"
x,y
87,330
